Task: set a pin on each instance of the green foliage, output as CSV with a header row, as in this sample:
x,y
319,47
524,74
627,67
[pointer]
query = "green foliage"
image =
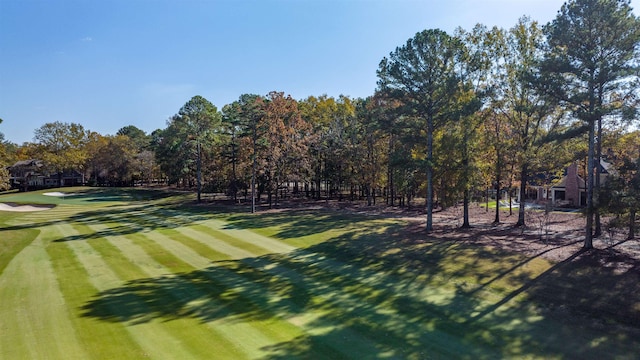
x,y
199,119
594,47
330,155
244,123
528,112
5,160
620,195
179,147
423,74
61,146
138,136
4,179
451,115
112,160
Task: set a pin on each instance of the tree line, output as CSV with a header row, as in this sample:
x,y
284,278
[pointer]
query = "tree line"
x,y
454,117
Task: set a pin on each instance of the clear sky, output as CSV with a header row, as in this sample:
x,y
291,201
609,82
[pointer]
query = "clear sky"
x,y
111,63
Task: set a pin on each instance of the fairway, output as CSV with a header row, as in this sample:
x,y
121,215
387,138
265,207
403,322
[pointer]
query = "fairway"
x,y
131,274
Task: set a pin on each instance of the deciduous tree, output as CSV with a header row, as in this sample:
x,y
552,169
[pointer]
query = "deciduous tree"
x,y
62,146
527,111
620,195
246,118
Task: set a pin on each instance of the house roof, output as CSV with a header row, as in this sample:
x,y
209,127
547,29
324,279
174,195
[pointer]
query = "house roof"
x,y
563,183
30,162
605,169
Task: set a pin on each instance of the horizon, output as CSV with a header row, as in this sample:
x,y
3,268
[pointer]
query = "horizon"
x,y
106,65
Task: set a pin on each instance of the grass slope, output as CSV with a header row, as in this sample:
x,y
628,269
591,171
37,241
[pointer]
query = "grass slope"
x,y
125,273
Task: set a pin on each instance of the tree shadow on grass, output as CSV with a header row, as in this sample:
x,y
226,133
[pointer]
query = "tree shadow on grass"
x,y
120,221
131,220
602,285
299,223
397,294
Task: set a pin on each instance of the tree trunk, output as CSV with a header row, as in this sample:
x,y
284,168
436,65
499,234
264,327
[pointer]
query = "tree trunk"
x,y
234,187
588,239
486,198
390,193
326,188
277,189
510,201
523,194
511,189
598,228
429,227
496,220
465,164
318,194
465,210
253,176
199,170
632,224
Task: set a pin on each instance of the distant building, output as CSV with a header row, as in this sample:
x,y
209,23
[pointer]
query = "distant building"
x,y
570,190
26,174
31,175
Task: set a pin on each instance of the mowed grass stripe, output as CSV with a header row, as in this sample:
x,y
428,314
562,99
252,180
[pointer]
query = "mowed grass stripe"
x,y
225,284
256,334
142,218
397,294
210,233
353,299
297,299
221,230
169,251
325,306
164,254
199,247
244,243
235,240
45,217
231,280
227,341
388,298
225,230
100,339
356,343
31,301
347,297
353,287
233,251
158,340
193,240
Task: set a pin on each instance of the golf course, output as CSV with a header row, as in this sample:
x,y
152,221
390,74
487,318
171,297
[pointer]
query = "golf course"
x,y
108,273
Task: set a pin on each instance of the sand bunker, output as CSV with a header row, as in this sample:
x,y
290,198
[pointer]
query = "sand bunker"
x,y
24,208
59,194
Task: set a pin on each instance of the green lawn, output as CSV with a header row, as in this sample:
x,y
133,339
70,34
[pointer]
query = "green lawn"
x,y
124,273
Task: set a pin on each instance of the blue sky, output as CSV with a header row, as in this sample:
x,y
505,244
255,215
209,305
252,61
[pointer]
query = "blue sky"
x,y
108,64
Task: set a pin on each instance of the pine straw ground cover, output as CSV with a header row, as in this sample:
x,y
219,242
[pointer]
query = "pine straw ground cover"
x,y
133,274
